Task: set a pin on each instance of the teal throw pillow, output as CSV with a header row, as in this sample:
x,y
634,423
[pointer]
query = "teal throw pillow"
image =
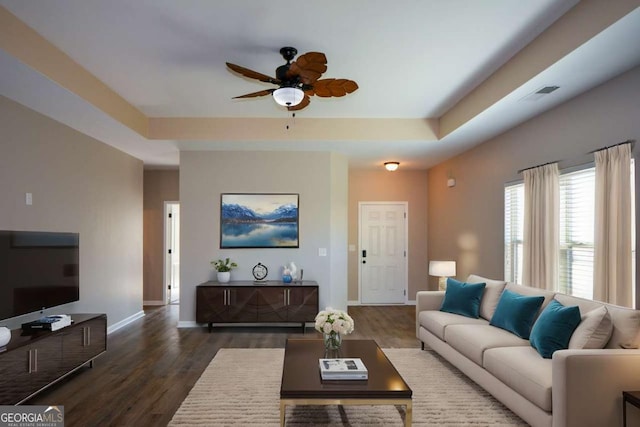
x,y
463,298
516,313
553,329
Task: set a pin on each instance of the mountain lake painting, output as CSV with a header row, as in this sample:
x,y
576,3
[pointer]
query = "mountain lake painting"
x,y
259,221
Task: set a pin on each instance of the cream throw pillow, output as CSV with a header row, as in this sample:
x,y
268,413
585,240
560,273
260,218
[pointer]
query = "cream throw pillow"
x,y
594,330
491,295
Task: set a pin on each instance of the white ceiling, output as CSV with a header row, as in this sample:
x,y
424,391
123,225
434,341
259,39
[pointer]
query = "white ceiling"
x,y
411,59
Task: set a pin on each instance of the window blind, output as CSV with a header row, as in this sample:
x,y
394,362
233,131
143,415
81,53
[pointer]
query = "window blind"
x,y
513,232
577,208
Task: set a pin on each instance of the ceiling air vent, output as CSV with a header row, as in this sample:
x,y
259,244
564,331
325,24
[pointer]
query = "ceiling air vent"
x,y
546,90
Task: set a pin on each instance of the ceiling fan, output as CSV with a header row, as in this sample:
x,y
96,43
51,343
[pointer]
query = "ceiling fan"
x,y
298,80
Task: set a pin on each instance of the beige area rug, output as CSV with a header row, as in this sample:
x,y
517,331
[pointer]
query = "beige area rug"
x,y
241,387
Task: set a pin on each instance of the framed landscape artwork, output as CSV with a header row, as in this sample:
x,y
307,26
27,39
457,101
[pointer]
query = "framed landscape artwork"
x,y
259,221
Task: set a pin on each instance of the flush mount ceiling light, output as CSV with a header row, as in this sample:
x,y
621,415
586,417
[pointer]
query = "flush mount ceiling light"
x,y
391,166
288,96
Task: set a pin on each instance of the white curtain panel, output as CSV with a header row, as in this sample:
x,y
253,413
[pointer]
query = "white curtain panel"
x,y
612,263
541,232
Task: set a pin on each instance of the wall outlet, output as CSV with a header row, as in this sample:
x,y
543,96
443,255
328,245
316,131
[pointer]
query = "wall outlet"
x,y
322,251
28,199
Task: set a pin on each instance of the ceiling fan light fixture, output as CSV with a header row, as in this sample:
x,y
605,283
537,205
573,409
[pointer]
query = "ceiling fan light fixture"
x,y
391,166
288,96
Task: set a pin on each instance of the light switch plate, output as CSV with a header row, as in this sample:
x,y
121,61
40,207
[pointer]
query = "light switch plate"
x,y
322,251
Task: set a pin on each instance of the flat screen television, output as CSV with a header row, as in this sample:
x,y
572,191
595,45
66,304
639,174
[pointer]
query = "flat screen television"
x,y
38,270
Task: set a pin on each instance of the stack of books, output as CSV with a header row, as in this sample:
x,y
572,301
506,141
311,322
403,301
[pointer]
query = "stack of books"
x,y
48,323
343,369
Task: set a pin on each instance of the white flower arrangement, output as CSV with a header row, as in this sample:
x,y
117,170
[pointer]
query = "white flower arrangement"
x,y
330,321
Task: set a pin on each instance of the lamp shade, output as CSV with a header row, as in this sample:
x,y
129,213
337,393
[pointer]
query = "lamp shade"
x,y
442,268
288,96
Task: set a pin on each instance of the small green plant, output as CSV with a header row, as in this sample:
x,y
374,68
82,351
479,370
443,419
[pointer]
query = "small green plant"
x,y
222,266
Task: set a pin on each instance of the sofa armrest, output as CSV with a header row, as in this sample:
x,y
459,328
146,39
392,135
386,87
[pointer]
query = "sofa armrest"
x,y
427,300
588,385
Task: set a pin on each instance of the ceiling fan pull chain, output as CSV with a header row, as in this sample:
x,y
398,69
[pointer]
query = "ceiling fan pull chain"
x,y
292,121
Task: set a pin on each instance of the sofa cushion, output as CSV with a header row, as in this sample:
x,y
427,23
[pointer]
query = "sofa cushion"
x,y
626,325
626,321
491,294
593,331
436,321
516,313
554,327
529,291
473,340
462,298
523,370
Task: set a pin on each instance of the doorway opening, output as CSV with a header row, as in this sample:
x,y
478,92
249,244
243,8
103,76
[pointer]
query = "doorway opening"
x,y
171,289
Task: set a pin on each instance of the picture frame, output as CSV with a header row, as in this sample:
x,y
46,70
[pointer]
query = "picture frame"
x,y
259,220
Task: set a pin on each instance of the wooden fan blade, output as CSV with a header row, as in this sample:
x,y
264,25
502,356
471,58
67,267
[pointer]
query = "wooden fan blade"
x,y
252,74
305,101
314,61
256,94
326,88
309,67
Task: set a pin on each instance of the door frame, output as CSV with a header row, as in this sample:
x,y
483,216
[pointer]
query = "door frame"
x,y
406,243
165,266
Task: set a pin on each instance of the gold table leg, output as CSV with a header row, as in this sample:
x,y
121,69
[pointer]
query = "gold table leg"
x,y
407,403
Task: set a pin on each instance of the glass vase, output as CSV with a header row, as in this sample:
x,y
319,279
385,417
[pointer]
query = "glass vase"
x,y
332,340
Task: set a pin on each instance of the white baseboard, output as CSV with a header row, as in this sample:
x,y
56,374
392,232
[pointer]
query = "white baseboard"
x,y
152,302
192,324
188,324
356,302
125,322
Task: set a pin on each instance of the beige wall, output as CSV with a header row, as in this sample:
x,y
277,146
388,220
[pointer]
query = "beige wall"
x,y
160,186
466,222
399,186
319,179
78,185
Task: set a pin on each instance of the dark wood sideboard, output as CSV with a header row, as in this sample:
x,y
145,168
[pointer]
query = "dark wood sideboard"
x,y
31,363
248,302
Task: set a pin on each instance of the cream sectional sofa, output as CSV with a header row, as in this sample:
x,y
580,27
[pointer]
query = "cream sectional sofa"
x,y
575,388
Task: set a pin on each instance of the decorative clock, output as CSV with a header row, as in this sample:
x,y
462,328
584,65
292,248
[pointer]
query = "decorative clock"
x,y
260,272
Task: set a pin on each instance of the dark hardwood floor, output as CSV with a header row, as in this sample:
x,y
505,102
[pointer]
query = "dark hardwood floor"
x,y
150,365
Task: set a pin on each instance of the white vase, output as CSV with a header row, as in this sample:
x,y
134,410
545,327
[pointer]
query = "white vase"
x,y
5,336
224,276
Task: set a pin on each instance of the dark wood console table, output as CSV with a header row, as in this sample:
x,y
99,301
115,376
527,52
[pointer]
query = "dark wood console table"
x,y
31,363
251,302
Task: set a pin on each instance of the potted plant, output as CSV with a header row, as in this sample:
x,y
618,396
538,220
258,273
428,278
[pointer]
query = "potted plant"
x,y
224,269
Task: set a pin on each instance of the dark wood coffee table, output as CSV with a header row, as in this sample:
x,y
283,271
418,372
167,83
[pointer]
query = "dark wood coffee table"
x,y
302,385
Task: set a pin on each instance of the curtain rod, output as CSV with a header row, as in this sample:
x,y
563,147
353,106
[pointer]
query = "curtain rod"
x,y
533,167
628,141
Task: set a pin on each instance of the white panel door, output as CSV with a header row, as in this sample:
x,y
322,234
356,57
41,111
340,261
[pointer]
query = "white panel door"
x,y
383,253
172,255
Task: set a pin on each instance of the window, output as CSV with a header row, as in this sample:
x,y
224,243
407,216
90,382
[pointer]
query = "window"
x,y
513,232
577,211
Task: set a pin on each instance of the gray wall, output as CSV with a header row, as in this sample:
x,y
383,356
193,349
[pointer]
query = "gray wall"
x,y
160,186
321,181
466,222
78,185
